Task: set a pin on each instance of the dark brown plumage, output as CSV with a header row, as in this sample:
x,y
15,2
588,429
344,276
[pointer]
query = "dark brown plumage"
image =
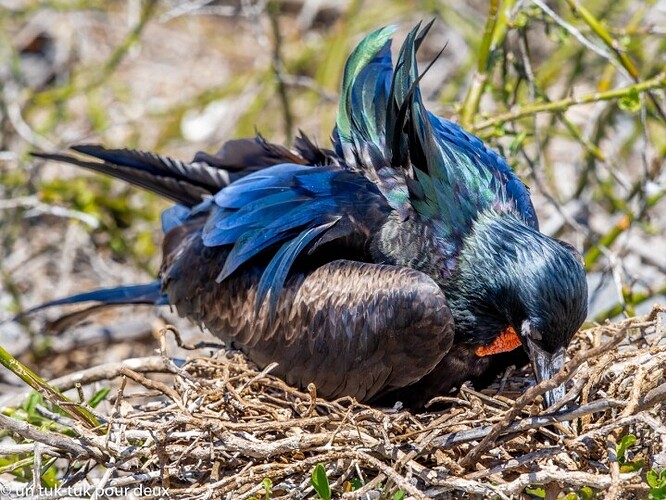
x,y
351,328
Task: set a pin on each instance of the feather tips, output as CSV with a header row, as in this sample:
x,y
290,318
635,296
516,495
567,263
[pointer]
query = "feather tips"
x,y
421,163
369,59
275,274
290,208
201,175
360,133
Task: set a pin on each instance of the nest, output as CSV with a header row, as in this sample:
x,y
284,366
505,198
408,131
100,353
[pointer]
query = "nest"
x,y
216,427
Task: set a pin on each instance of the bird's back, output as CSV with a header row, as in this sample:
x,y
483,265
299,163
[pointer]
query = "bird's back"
x,y
344,325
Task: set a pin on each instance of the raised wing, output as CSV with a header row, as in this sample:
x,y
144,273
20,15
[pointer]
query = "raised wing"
x,y
421,163
289,209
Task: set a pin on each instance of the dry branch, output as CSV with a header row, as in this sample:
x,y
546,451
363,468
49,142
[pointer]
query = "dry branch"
x,y
218,426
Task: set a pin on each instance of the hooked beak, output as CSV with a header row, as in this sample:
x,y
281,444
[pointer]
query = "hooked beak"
x,y
546,365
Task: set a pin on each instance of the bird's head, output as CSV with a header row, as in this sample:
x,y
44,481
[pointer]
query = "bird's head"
x,y
515,286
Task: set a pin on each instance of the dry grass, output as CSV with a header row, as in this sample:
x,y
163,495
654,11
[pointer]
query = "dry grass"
x,y
215,427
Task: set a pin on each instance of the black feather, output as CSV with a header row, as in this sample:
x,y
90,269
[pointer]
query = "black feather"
x,y
184,183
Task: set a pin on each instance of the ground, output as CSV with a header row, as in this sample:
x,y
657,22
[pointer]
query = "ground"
x,y
574,98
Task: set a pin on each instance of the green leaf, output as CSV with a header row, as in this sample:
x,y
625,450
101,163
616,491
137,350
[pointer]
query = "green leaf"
x,y
499,131
632,466
268,487
49,475
98,397
320,482
399,495
630,102
585,493
652,478
657,483
623,445
536,492
31,403
658,493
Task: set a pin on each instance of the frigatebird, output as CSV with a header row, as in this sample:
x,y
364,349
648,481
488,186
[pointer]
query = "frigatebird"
x,y
400,263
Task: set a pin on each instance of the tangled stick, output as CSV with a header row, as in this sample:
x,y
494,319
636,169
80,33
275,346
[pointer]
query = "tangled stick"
x,y
217,426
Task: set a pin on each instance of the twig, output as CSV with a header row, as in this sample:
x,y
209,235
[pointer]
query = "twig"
x,y
530,395
22,449
613,45
153,384
518,112
573,478
517,462
581,38
455,438
278,69
390,473
76,447
109,371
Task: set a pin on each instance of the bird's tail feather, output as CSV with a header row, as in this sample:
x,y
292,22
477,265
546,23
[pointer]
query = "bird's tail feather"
x,y
184,183
187,183
149,293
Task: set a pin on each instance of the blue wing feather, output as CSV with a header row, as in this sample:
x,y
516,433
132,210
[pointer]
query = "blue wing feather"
x,y
250,243
275,274
260,214
292,206
174,216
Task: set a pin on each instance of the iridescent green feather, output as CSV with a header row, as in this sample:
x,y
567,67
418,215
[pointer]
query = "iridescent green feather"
x,y
364,53
422,164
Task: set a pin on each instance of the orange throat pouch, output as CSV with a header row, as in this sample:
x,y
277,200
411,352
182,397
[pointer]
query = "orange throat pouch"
x,y
506,341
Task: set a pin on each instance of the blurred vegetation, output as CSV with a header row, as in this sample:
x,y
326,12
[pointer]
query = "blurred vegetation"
x,y
571,94
95,196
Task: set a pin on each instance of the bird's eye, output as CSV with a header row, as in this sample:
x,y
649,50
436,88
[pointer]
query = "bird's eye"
x,y
527,330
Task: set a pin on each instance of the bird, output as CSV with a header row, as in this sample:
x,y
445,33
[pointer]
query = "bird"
x,y
395,266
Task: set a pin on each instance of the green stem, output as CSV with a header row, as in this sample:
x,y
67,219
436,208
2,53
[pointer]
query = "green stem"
x,y
475,91
657,82
598,29
52,394
573,130
612,44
